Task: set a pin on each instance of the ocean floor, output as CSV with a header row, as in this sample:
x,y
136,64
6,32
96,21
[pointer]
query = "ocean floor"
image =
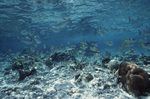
x,y
62,76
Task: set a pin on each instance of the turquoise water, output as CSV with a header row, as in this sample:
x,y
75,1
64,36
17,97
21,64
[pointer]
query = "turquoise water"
x,y
74,49
118,19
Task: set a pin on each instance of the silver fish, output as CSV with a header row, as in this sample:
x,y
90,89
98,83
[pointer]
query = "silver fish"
x,y
24,32
37,39
26,40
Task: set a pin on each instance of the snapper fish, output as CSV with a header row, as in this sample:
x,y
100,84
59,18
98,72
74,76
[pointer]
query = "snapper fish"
x,y
128,42
131,40
127,30
135,22
55,29
101,31
145,32
42,32
109,43
37,39
95,49
130,52
83,45
44,46
60,25
145,45
24,32
94,44
26,40
114,29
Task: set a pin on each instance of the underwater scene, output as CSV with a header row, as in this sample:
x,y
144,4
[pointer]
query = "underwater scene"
x,y
74,49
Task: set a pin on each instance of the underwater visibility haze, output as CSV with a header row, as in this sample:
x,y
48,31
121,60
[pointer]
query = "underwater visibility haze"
x,y
74,49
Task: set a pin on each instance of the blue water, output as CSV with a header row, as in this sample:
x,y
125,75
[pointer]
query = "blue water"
x,y
86,16
72,49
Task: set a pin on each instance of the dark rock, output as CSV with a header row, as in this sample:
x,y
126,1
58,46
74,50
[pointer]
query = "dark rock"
x,y
105,60
17,66
7,69
24,73
146,62
58,57
145,59
35,82
89,77
79,65
77,76
49,63
6,72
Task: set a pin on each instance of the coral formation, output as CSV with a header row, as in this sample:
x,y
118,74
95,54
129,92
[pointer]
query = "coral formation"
x,y
134,79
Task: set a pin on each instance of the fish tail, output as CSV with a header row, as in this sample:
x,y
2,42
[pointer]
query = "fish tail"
x,y
129,20
95,31
140,32
141,45
31,36
70,21
18,38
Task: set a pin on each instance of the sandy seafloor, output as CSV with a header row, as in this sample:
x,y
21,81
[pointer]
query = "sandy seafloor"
x,y
62,80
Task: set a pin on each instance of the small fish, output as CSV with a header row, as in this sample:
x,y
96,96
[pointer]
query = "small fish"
x,y
68,43
100,32
143,40
145,45
94,44
96,55
79,52
109,43
26,40
42,32
31,49
55,29
135,22
95,49
127,44
24,32
44,46
83,45
114,29
35,46
131,40
145,32
37,39
9,50
52,49
60,25
127,30
64,63
130,52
